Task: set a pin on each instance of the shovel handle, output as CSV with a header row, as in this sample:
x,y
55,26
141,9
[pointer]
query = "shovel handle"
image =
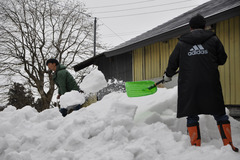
x,y
157,83
154,85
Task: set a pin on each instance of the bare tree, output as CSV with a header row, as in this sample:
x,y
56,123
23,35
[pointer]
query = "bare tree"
x,y
32,31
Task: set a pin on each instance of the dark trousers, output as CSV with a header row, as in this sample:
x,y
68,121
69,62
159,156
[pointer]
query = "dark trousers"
x,y
65,111
191,120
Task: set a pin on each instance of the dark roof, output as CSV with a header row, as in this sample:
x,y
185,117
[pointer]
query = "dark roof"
x,y
87,63
214,11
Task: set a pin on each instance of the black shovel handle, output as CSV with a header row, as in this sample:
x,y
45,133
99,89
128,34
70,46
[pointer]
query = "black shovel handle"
x,y
154,85
157,83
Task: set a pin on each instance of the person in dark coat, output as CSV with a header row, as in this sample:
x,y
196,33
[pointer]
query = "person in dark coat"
x,y
64,81
198,55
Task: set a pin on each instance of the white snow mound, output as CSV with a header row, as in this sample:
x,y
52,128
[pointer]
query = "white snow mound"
x,y
115,128
93,82
71,98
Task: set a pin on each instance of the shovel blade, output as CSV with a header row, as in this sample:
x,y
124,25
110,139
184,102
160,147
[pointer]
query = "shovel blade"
x,y
139,88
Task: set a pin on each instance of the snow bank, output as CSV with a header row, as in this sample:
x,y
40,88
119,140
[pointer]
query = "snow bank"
x,y
93,82
71,98
115,128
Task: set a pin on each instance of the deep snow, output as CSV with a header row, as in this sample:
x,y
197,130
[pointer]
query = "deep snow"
x,y
115,128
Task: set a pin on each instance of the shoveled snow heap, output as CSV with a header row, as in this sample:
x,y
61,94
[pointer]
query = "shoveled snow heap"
x,y
93,82
115,128
71,98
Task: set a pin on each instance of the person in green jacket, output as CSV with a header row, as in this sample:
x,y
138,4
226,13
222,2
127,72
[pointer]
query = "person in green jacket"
x,y
64,81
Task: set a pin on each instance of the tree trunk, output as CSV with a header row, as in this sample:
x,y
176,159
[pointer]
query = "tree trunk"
x,y
46,99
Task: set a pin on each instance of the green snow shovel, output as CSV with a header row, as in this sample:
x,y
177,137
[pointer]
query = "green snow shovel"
x,y
142,88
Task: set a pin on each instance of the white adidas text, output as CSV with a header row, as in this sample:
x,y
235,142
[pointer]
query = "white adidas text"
x,y
197,50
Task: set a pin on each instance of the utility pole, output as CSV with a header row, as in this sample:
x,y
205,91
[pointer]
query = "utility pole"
x,y
95,30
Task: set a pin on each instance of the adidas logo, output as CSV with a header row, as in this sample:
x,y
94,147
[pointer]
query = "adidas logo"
x,y
197,50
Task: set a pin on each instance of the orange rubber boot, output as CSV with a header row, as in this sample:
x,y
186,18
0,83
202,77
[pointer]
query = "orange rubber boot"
x,y
194,133
225,131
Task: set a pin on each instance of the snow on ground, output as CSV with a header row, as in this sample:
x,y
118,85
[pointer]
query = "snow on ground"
x,y
115,128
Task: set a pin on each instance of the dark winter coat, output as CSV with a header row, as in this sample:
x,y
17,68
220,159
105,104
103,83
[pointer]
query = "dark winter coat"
x,y
198,55
64,80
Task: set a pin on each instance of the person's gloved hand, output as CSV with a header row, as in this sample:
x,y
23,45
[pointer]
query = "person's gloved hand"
x,y
166,78
58,96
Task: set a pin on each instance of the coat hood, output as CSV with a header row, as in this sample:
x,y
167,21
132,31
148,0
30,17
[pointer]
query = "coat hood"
x,y
60,67
197,36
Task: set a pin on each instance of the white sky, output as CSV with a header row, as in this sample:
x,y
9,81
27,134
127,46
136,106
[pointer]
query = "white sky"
x,y
122,20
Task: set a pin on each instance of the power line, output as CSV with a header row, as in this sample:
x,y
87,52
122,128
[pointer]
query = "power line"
x,y
131,9
120,36
125,33
89,16
112,31
137,14
124,4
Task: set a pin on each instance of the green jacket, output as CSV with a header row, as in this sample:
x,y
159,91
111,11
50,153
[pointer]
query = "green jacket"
x,y
64,80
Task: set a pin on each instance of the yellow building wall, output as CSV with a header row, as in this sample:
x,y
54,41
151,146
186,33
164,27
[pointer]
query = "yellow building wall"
x,y
151,61
228,33
138,64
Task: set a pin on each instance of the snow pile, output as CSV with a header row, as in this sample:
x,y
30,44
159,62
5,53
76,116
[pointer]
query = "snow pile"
x,y
115,128
93,82
71,98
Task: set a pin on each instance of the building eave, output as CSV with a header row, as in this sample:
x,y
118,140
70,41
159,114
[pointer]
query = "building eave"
x,y
179,30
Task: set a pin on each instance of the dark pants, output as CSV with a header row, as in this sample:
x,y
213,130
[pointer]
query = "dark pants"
x,y
191,120
65,111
